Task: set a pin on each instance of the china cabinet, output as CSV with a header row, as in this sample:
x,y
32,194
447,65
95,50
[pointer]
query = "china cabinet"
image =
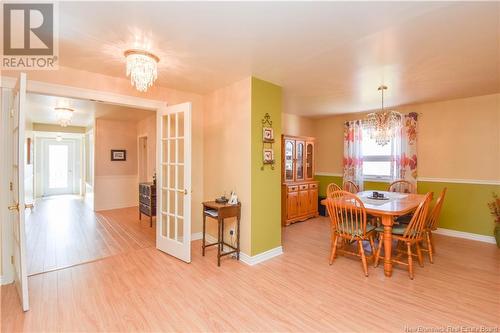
x,y
299,191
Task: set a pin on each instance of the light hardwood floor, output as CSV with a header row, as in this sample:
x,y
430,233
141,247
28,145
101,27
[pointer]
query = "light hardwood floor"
x,y
62,231
147,290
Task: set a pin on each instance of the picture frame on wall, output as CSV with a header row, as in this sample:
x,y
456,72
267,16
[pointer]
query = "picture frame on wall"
x,y
118,155
29,151
268,156
267,134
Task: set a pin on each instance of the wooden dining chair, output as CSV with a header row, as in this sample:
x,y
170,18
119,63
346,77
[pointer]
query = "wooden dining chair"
x,y
349,186
332,187
411,235
401,186
348,220
432,224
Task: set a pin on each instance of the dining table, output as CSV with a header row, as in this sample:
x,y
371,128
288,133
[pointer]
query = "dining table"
x,y
392,205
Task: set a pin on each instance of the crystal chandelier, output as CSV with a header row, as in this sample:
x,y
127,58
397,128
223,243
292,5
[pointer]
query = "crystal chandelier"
x,y
64,115
142,67
382,125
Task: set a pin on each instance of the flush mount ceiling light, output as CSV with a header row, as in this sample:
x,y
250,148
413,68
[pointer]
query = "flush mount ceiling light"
x,y
382,125
142,67
64,115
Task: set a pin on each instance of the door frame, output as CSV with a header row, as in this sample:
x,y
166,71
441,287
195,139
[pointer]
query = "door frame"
x,y
7,84
139,162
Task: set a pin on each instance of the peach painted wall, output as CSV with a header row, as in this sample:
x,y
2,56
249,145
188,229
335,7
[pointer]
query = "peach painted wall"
x,y
457,139
112,134
297,125
227,150
147,127
89,80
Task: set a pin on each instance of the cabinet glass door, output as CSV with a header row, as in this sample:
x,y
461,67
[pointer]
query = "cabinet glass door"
x,y
299,164
289,149
309,160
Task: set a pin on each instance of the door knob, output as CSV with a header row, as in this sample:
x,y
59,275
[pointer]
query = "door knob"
x,y
14,207
29,206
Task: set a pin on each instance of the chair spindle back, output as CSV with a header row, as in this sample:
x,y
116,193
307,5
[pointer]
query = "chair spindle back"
x,y
349,186
433,218
347,213
332,187
401,186
418,221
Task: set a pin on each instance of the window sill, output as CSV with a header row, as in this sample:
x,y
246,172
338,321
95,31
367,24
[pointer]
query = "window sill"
x,y
377,179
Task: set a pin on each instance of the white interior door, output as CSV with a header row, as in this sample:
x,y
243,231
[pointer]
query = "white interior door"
x,y
58,165
17,207
173,227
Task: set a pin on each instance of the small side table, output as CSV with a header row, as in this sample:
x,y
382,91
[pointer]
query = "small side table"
x,y
220,212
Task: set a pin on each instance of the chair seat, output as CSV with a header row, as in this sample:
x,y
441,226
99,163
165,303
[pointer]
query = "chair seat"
x,y
396,229
404,219
359,232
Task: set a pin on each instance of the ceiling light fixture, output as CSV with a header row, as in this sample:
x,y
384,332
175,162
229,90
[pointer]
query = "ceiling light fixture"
x,y
142,67
382,125
64,115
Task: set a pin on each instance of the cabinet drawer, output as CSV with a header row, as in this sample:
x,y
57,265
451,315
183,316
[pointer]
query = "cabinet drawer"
x,y
148,210
303,187
313,185
293,188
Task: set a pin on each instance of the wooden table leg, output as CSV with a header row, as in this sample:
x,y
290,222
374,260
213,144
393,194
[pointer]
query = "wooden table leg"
x,y
219,224
238,239
387,221
203,236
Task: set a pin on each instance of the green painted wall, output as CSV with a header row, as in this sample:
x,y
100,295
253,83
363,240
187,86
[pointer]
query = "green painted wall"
x,y
464,209
266,184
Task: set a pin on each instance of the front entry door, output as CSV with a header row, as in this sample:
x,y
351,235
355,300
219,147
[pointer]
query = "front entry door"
x,y
17,206
58,165
173,227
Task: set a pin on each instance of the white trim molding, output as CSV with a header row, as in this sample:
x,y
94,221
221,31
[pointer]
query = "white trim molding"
x,y
423,179
261,257
466,235
83,93
196,236
328,174
459,181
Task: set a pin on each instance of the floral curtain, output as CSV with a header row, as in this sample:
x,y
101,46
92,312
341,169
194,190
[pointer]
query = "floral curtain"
x,y
353,154
405,150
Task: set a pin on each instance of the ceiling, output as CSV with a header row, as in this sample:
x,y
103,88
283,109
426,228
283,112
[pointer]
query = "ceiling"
x,y
329,57
40,109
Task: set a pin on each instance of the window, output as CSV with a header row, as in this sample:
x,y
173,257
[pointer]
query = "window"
x,y
376,158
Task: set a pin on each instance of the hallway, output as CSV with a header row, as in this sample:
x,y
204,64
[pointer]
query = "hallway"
x,y
63,231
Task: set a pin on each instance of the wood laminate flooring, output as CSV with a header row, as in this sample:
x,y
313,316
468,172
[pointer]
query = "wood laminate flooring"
x,y
143,289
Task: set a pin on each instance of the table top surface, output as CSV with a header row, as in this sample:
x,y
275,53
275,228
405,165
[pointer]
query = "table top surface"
x,y
217,206
398,203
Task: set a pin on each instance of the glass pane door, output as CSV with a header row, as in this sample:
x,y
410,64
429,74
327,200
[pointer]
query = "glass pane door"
x,y
309,160
173,234
58,166
289,151
173,177
299,165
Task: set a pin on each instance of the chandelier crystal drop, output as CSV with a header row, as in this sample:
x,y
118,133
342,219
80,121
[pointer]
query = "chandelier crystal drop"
x,y
382,125
142,67
64,115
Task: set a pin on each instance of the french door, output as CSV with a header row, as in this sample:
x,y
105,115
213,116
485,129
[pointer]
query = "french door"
x,y
173,227
17,206
58,164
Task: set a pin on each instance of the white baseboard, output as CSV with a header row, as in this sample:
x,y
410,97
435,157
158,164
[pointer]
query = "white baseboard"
x,y
466,235
261,257
196,236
